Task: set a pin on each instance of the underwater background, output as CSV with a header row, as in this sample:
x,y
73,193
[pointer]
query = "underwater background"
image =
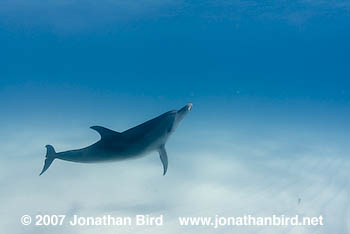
x,y
268,132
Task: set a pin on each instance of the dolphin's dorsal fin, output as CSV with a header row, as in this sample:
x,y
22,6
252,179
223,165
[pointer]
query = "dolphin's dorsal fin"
x,y
105,132
164,158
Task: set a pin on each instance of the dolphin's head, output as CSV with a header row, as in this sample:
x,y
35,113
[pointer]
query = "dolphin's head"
x,y
164,125
180,114
183,111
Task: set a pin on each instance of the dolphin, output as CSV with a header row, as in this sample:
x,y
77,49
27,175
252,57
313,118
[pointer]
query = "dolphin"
x,y
135,142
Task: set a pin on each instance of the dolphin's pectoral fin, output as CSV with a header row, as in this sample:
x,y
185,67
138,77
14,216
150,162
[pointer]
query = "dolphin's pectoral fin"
x,y
164,158
105,132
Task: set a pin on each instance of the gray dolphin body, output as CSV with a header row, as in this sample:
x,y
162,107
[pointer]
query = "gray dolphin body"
x,y
147,137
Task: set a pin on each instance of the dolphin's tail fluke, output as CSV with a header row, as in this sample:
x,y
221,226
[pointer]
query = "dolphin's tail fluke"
x,y
50,156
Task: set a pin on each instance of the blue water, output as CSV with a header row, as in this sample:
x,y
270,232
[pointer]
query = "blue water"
x,y
270,84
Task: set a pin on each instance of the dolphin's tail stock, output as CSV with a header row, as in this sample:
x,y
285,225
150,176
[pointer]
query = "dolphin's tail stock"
x,y
50,156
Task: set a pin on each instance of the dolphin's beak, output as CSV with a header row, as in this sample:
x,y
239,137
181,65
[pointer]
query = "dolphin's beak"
x,y
189,106
184,110
180,114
